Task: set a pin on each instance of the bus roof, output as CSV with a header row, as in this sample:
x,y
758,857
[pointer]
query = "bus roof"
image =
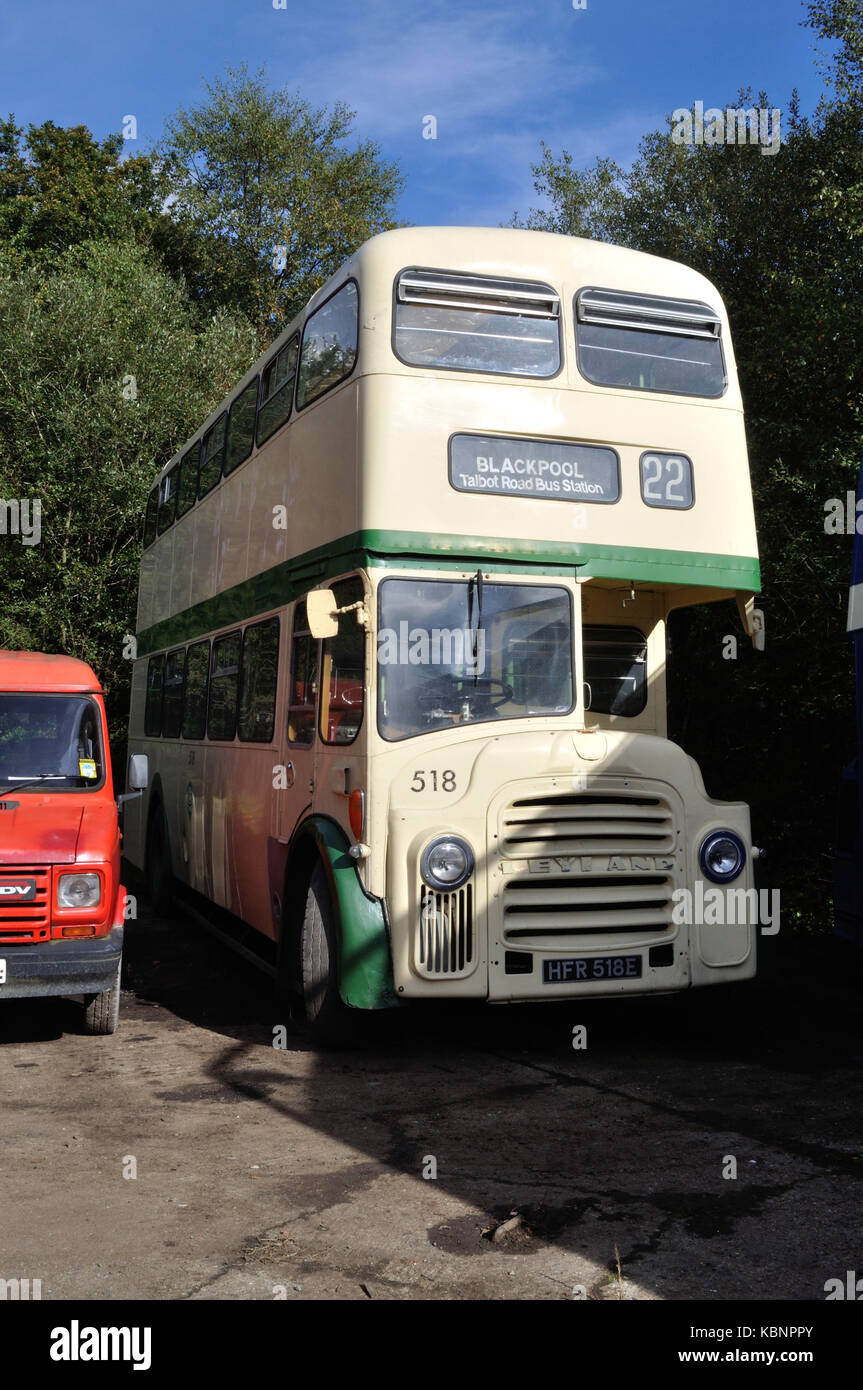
x,y
42,671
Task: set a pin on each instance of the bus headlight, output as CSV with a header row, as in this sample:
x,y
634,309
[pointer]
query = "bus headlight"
x,y
722,856
79,890
447,863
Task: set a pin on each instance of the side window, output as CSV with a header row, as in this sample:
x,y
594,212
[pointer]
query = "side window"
x,y
197,676
153,706
303,690
278,390
212,456
259,677
224,680
187,491
615,670
342,670
329,345
241,427
168,499
150,518
172,699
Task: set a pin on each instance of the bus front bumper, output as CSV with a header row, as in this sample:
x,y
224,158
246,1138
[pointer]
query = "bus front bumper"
x,y
76,966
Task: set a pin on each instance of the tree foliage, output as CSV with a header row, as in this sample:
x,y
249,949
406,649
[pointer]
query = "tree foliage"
x,y
103,373
274,197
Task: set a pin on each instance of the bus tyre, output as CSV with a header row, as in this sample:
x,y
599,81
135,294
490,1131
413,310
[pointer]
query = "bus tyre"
x,y
159,875
328,1019
102,1011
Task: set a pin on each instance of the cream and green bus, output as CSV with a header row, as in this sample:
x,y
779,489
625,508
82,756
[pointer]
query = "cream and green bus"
x,y
401,639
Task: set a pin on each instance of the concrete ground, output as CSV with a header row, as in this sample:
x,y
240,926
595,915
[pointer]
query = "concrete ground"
x,y
186,1157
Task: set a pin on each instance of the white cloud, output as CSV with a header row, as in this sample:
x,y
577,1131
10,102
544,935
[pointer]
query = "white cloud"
x,y
469,69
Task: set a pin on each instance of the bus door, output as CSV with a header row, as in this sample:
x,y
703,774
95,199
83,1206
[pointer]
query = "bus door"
x,y
294,791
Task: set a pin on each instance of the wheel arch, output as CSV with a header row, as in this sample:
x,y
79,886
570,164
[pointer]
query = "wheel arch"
x,y
364,958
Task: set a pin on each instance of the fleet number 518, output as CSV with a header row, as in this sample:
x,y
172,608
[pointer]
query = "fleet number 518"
x,y
447,780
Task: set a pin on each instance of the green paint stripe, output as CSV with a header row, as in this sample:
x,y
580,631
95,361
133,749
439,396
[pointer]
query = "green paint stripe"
x,y
283,583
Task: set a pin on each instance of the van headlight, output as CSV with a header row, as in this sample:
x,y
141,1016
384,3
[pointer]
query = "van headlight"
x,y
722,856
79,890
447,863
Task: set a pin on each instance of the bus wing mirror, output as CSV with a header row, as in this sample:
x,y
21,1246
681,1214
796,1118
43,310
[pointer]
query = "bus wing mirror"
x,y
752,619
322,613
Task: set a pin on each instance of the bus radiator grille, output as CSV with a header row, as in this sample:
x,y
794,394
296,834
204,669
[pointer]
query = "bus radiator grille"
x,y
445,936
587,865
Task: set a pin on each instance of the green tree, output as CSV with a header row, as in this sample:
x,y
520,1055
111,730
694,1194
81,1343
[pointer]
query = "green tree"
x,y
104,371
273,197
780,237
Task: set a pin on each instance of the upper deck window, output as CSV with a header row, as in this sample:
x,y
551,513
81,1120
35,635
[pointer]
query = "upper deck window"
x,y
168,499
646,343
474,323
212,456
329,348
188,487
241,427
277,392
150,517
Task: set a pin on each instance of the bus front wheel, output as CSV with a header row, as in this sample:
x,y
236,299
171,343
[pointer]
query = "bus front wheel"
x,y
329,1021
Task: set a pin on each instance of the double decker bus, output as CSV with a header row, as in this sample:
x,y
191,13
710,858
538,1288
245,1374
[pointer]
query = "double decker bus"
x,y
401,638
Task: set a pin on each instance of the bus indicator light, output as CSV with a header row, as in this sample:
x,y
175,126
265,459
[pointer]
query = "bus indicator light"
x,y
357,812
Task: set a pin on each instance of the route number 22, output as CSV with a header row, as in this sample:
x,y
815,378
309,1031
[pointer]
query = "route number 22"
x,y
666,480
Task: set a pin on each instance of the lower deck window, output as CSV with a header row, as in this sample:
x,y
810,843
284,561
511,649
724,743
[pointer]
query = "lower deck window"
x,y
224,679
197,677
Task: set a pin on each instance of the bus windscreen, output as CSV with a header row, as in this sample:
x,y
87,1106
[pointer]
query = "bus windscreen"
x,y
470,652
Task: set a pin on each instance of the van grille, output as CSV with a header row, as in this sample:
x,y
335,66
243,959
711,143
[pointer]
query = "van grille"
x,y
587,866
445,935
22,922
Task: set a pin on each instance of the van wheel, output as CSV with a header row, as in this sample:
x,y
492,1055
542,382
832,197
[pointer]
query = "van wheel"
x,y
159,873
102,1011
329,1021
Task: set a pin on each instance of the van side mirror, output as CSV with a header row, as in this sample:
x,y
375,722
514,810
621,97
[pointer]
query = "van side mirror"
x,y
139,779
139,772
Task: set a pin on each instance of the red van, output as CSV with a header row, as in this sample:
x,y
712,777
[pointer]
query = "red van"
x,y
62,905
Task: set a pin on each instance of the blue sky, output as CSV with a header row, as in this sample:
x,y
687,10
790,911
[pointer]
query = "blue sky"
x,y
498,75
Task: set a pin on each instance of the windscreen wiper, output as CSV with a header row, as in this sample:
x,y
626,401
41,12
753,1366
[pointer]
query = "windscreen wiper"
x,y
31,781
474,588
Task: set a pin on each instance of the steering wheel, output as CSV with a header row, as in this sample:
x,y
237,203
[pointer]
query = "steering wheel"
x,y
452,688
